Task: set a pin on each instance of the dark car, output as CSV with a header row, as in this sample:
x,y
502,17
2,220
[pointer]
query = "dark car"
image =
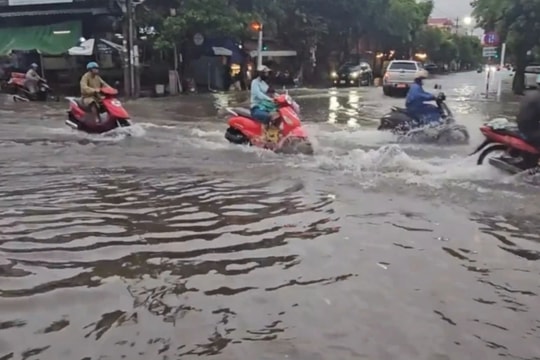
x,y
351,74
432,68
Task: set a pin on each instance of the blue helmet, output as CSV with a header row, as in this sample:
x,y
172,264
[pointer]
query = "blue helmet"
x,y
92,65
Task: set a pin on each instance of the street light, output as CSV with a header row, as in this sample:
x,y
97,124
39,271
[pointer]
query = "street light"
x,y
468,22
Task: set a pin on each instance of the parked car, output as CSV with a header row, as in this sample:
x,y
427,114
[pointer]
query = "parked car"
x,y
399,76
531,72
351,74
431,68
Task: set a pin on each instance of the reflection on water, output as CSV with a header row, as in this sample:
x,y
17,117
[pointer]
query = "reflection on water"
x,y
123,250
131,266
346,107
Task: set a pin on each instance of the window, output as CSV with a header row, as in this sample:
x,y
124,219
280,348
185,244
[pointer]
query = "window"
x,y
403,65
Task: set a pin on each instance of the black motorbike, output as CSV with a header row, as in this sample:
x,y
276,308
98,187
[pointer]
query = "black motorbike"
x,y
400,122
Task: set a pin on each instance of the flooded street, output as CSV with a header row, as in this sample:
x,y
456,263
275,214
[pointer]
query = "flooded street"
x,y
172,243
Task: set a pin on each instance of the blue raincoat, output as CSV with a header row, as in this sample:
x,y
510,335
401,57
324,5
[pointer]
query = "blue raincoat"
x,y
261,104
417,108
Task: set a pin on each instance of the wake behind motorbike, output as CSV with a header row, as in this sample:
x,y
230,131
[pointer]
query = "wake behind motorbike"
x,y
112,114
288,136
513,153
401,123
16,86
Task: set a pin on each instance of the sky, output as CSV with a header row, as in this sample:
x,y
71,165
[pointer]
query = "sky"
x,y
452,8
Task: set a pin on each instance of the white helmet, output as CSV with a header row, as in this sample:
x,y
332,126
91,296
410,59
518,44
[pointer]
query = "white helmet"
x,y
263,68
421,74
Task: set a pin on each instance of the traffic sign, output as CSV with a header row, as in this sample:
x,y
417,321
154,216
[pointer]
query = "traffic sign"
x,y
491,39
489,51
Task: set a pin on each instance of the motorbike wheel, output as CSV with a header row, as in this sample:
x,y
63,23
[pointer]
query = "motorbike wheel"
x,y
489,150
236,137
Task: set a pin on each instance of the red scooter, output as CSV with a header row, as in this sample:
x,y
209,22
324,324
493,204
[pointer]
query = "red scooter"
x,y
287,137
515,154
16,85
111,113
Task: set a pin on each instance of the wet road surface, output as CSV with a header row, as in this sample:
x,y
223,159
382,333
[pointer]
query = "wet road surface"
x,y
174,244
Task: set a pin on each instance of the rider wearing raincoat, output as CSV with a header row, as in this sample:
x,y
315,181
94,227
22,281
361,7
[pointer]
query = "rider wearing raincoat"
x,y
427,114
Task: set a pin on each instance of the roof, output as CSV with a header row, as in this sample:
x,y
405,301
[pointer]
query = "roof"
x,y
440,22
93,11
6,3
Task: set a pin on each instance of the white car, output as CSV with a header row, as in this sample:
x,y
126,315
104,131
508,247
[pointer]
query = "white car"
x,y
400,76
531,72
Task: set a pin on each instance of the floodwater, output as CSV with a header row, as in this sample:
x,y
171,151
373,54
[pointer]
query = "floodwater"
x,y
171,243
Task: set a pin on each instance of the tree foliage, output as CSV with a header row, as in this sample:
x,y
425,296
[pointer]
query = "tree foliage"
x,y
518,23
332,26
442,46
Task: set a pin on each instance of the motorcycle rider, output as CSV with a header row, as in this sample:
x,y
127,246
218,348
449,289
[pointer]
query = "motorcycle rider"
x,y
415,102
528,117
263,107
91,84
32,79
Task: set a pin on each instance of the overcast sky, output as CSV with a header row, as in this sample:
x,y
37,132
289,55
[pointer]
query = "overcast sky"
x,y
452,8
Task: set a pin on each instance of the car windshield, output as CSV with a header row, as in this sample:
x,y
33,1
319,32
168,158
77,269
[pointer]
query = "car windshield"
x,y
346,67
402,65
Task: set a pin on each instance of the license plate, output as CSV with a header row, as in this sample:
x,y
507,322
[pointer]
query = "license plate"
x,y
342,82
401,85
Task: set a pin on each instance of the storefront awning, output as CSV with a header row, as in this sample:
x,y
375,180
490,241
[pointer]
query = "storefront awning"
x,y
86,48
54,39
273,53
221,51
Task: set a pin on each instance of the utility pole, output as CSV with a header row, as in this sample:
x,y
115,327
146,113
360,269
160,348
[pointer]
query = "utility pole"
x,y
131,55
260,47
457,25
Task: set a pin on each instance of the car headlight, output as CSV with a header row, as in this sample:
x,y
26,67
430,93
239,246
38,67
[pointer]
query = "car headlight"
x,y
354,75
333,74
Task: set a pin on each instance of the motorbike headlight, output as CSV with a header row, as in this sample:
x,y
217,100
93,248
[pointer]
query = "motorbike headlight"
x,y
333,74
354,75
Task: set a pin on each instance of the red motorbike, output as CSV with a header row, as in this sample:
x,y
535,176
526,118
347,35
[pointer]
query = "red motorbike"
x,y
112,114
515,155
16,85
287,137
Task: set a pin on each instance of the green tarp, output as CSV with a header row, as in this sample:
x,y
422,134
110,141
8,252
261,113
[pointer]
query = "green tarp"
x,y
53,39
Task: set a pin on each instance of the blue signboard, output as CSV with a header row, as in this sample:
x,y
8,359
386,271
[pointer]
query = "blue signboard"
x,y
491,39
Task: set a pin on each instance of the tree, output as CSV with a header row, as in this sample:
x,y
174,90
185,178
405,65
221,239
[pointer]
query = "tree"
x,y
444,47
205,16
469,49
517,23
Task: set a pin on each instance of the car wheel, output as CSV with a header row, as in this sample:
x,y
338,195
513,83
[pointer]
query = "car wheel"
x,y
386,91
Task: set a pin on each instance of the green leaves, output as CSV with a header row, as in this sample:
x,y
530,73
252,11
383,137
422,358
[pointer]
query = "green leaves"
x,y
517,22
206,16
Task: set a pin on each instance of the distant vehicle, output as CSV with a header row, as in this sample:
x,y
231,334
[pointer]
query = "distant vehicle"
x,y
400,76
431,68
531,72
351,74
